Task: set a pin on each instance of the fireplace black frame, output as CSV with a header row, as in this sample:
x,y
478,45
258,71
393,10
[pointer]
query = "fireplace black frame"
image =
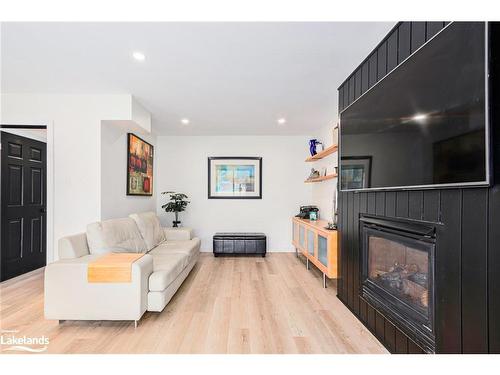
x,y
414,234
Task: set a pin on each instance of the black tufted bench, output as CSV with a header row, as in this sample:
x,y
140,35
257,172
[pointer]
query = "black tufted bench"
x,y
240,243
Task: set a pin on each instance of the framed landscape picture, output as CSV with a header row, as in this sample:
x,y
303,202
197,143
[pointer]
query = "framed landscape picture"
x,y
234,178
139,166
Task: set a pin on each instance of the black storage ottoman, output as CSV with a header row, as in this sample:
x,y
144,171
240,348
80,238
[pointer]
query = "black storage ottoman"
x,y
239,244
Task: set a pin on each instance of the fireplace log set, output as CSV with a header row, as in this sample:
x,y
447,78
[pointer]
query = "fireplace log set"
x,y
408,281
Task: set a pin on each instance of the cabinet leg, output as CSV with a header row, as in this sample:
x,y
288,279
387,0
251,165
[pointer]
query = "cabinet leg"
x,y
296,252
324,280
307,263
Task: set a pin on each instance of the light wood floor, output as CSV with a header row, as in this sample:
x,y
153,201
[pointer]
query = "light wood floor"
x,y
226,305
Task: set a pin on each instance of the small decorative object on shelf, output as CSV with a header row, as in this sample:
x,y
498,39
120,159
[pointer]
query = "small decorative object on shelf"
x,y
331,226
313,143
314,174
321,144
313,215
312,147
335,134
178,203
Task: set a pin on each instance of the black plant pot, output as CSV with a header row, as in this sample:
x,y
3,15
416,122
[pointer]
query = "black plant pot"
x,y
176,222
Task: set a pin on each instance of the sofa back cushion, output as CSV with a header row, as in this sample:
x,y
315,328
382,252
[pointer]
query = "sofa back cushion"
x,y
150,228
116,235
75,246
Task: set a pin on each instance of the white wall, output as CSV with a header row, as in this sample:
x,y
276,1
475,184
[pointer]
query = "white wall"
x,y
36,134
182,167
114,200
73,152
140,115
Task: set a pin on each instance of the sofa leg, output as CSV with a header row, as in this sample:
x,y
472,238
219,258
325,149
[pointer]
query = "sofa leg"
x,y
263,255
324,280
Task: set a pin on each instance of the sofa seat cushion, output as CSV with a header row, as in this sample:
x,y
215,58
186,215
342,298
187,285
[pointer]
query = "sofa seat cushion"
x,y
166,268
150,228
116,235
189,248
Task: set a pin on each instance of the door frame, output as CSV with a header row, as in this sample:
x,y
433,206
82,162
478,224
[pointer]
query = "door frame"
x,y
49,125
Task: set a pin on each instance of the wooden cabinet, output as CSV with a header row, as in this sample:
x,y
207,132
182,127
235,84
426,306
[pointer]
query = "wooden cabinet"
x,y
317,244
323,249
311,242
302,236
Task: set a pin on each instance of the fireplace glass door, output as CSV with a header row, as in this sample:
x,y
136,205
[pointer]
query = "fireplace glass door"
x,y
400,269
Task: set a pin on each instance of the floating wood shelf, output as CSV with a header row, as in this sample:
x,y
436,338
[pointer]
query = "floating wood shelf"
x,y
322,178
320,155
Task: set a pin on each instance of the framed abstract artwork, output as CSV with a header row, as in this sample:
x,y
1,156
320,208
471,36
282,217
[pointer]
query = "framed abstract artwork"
x,y
234,178
139,166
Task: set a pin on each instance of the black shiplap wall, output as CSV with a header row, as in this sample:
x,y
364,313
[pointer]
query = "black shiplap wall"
x,y
494,197
463,317
467,304
402,40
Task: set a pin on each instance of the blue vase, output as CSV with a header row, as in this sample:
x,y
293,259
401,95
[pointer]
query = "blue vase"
x,y
312,146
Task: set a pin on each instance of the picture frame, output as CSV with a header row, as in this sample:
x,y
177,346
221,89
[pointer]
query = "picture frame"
x,y
234,177
140,158
355,172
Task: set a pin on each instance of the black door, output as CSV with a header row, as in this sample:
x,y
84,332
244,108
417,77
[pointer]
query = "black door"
x,y
23,196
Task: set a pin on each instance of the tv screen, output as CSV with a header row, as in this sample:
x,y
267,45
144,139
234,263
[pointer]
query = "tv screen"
x,y
425,123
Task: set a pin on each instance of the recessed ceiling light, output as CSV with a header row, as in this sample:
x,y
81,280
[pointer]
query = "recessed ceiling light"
x,y
185,121
139,56
282,121
419,117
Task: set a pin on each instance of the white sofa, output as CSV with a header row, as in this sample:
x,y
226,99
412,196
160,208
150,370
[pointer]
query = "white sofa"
x,y
170,254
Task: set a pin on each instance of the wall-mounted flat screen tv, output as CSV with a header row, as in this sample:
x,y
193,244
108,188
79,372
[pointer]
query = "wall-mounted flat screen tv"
x,y
425,124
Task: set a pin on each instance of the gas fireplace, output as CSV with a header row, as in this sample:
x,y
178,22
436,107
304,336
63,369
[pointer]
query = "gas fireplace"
x,y
398,274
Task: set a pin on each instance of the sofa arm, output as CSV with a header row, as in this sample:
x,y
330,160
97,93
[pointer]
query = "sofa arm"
x,y
178,234
69,296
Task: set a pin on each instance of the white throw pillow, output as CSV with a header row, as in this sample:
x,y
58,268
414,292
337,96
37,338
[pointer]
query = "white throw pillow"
x,y
116,236
150,228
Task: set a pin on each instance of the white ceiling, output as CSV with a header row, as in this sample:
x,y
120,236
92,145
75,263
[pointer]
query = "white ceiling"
x,y
227,78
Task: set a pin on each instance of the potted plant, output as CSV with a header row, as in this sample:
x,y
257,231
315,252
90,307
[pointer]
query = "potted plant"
x,y
178,203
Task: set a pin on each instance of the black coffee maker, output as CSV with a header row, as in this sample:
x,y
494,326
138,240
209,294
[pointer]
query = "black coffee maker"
x,y
305,212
